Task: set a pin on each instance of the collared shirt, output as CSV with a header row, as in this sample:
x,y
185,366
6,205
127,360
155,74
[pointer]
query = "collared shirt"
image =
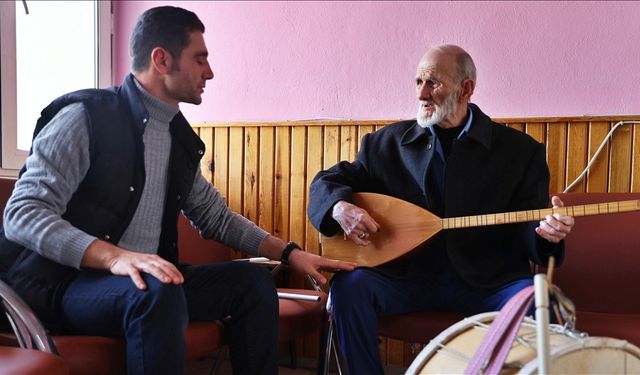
x,y
438,166
463,133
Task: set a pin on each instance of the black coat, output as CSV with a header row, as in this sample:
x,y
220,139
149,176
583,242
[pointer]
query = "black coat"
x,y
492,169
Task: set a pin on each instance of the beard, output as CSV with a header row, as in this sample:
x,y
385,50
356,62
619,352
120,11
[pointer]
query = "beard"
x,y
448,108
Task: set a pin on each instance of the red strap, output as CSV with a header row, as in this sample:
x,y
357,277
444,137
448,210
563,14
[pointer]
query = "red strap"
x,y
496,344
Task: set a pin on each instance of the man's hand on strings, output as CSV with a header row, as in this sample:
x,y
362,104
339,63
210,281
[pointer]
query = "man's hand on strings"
x,y
555,228
355,222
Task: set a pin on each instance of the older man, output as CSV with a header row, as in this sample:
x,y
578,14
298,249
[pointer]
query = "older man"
x,y
454,161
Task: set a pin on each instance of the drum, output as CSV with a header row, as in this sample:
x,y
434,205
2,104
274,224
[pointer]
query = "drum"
x,y
451,351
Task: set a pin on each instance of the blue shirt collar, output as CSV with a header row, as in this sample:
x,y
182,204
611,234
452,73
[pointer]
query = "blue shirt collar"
x,y
465,130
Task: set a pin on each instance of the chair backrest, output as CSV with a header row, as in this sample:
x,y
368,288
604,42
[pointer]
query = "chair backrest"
x,y
196,250
602,257
6,187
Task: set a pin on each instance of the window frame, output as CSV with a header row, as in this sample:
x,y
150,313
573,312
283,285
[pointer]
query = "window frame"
x,y
12,159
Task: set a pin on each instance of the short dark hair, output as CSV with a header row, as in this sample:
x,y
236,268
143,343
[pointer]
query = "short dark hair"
x,y
166,27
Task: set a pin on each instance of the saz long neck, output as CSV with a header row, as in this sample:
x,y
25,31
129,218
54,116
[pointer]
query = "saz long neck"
x,y
535,215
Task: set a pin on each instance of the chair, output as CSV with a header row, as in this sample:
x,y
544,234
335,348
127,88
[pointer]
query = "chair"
x,y
97,355
417,327
30,362
601,268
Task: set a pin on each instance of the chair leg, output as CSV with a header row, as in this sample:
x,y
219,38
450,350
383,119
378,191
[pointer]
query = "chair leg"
x,y
329,345
336,353
292,354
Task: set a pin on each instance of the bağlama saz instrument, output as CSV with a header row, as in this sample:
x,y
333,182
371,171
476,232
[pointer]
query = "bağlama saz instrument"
x,y
406,226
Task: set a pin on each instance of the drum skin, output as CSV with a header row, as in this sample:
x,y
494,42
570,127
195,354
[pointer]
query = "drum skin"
x,y
450,351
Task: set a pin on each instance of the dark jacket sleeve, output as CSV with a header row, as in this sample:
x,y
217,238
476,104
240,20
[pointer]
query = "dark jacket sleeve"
x,y
534,192
335,184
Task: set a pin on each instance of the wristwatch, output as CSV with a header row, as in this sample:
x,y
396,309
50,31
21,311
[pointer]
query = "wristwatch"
x,y
284,259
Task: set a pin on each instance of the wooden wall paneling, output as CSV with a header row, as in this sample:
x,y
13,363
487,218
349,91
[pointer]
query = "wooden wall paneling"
x,y
517,125
536,130
362,130
281,159
297,203
236,166
620,160
331,144
382,349
221,160
411,351
348,142
635,165
298,186
577,145
312,244
282,171
206,163
298,183
598,174
557,155
314,164
251,174
267,178
236,173
395,351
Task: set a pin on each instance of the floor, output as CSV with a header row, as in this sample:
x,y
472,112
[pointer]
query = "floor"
x,y
306,367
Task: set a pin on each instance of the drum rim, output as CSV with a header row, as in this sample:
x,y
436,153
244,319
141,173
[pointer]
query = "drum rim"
x,y
453,331
431,349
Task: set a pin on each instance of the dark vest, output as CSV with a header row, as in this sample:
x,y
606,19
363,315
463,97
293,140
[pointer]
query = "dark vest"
x,y
104,203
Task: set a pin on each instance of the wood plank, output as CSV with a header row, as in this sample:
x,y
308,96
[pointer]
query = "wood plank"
x,y
235,182
536,130
297,193
382,349
635,165
221,161
597,177
281,185
251,174
267,178
348,142
312,242
362,130
556,155
411,351
236,162
314,164
331,143
620,160
520,126
206,163
577,144
395,352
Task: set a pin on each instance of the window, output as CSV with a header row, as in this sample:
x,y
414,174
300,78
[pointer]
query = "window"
x,y
48,48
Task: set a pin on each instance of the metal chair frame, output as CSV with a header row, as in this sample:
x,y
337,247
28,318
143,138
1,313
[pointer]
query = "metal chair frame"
x,y
28,329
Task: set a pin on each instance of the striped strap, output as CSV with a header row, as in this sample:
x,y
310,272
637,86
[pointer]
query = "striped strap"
x,y
490,356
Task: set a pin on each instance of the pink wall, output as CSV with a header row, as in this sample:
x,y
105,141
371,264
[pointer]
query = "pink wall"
x,y
356,60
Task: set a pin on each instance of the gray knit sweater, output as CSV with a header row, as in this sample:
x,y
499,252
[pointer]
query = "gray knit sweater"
x,y
60,160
